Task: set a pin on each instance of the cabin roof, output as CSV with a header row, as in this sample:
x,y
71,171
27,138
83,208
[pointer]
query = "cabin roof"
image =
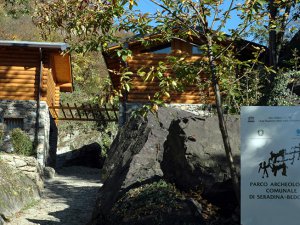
x,y
61,62
136,39
54,45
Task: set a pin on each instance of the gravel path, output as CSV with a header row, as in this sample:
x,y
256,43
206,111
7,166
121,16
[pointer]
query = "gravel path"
x,y
68,199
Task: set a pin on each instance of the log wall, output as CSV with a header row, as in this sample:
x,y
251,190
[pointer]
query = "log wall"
x,y
18,69
141,91
19,73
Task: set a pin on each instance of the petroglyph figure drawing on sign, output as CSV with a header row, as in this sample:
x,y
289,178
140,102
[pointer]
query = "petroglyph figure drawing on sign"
x,y
294,152
274,156
276,168
277,161
264,166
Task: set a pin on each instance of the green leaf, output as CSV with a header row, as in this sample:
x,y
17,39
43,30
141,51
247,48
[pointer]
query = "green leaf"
x,y
124,58
127,87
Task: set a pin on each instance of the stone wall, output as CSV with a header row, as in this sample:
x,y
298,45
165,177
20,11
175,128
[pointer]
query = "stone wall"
x,y
27,165
17,191
26,111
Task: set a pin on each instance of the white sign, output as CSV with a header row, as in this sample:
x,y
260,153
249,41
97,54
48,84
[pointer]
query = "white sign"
x,y
270,165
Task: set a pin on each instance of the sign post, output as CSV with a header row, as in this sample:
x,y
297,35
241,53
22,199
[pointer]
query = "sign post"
x,y
270,165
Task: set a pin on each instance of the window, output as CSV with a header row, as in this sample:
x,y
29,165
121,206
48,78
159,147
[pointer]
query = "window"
x,y
196,50
166,50
11,123
162,49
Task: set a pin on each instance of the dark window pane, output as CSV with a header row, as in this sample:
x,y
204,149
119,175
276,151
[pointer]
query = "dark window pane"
x,y
166,50
162,49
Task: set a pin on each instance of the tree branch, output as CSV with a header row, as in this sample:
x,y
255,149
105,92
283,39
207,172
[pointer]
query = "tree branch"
x,y
183,22
226,16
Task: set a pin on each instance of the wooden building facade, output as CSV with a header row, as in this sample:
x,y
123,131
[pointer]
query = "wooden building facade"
x,y
192,98
143,57
32,76
34,71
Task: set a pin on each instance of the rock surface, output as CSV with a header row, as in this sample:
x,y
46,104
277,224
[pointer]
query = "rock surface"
x,y
175,146
27,165
16,191
48,172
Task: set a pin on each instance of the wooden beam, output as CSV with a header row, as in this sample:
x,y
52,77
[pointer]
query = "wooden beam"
x,y
22,68
18,81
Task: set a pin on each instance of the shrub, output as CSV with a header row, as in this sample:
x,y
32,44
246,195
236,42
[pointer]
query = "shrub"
x,y
21,142
281,94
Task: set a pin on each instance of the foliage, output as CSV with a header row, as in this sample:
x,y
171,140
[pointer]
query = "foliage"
x,y
21,142
17,28
241,81
276,16
281,94
90,76
278,19
89,23
157,198
17,8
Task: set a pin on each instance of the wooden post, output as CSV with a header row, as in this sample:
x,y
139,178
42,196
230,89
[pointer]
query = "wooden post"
x,y
78,111
62,109
70,109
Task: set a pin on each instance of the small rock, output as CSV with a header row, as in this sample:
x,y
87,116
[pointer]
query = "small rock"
x,y
48,172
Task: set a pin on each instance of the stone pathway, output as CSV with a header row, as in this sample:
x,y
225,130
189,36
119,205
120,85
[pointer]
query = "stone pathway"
x,y
68,199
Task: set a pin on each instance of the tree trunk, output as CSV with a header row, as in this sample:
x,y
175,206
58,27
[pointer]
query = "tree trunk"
x,y
273,54
222,123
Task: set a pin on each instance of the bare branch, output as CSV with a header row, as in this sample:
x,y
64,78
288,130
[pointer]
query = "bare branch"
x,y
216,15
183,22
226,16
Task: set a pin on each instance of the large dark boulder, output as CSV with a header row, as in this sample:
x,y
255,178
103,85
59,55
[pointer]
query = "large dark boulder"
x,y
173,146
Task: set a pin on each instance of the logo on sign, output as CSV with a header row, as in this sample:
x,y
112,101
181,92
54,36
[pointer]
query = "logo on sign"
x,y
251,119
260,132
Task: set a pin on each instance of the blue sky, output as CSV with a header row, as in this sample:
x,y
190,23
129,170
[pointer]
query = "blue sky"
x,y
148,6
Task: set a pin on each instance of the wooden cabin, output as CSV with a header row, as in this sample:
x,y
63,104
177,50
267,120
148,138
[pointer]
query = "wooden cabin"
x,y
32,76
34,71
142,56
142,92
